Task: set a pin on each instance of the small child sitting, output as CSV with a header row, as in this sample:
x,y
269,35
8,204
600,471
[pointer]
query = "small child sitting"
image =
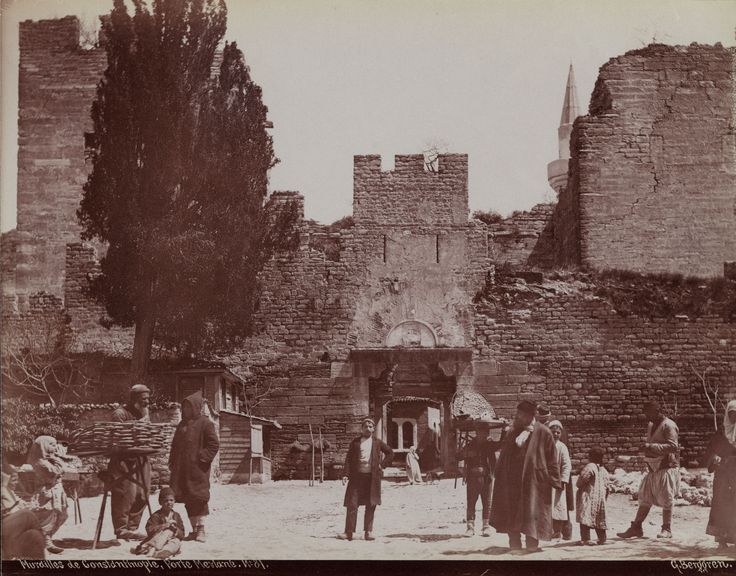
x,y
591,498
165,529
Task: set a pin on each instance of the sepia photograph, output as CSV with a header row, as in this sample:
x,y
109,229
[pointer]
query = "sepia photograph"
x,y
412,286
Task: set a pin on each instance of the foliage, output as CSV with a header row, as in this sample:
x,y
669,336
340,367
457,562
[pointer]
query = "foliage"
x,y
629,293
488,217
178,186
666,295
23,422
37,358
342,224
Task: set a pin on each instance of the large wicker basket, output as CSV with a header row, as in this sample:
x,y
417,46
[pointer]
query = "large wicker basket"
x,y
468,407
133,436
468,404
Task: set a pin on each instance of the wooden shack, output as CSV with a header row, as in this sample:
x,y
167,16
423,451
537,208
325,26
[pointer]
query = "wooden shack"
x,y
245,448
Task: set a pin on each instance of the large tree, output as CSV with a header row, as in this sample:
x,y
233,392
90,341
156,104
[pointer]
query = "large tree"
x,y
178,189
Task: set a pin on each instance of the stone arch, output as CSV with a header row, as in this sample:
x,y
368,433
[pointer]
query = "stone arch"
x,y
411,334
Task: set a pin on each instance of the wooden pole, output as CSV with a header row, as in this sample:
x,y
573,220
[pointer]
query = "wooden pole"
x,y
321,458
311,435
98,530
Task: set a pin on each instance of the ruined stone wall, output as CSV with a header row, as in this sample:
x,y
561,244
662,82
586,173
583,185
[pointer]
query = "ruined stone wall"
x,y
524,238
653,166
92,332
57,81
8,244
595,367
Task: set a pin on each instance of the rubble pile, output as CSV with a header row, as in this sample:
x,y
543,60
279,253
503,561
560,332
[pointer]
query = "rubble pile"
x,y
696,486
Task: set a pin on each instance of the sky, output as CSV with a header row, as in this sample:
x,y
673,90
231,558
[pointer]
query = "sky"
x,y
346,77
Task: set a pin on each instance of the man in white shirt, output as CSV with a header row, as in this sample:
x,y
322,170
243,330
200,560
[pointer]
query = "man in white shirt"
x,y
364,464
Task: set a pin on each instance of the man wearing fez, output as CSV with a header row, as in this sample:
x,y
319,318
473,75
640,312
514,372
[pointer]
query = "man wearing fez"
x,y
364,464
128,499
527,468
480,462
661,483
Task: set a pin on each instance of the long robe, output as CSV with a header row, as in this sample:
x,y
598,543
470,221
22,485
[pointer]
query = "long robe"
x,y
722,520
352,467
193,448
559,496
522,495
591,498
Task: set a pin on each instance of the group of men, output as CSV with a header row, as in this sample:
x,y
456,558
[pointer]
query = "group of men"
x,y
516,489
193,449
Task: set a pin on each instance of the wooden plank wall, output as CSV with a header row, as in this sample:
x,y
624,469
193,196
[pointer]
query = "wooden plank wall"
x,y
234,448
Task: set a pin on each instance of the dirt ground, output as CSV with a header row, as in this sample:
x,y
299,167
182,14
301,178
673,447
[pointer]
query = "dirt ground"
x,y
290,520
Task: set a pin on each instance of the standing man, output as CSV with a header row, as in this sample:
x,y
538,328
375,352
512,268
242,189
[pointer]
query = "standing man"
x,y
661,483
193,449
364,464
128,499
480,464
526,470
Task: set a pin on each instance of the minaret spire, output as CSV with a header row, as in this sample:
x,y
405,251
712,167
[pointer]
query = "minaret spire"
x,y
557,169
570,103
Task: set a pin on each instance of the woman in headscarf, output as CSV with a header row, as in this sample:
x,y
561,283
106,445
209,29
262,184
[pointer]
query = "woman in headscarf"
x,y
722,461
49,500
413,471
194,447
560,514
22,536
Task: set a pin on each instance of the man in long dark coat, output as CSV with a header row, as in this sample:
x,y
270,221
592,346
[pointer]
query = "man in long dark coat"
x,y
364,464
128,498
527,468
194,447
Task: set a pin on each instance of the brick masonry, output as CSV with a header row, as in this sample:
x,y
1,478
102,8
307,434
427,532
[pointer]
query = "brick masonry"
x,y
652,182
57,86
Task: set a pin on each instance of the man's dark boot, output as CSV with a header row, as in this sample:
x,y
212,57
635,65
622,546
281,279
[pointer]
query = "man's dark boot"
x,y
634,531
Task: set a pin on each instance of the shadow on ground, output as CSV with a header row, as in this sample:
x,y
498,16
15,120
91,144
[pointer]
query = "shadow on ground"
x,y
80,544
426,537
490,551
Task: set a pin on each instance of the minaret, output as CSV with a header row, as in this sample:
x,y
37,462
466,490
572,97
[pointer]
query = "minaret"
x,y
557,169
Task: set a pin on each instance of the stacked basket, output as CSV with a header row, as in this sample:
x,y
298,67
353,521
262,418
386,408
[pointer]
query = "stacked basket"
x,y
469,407
105,437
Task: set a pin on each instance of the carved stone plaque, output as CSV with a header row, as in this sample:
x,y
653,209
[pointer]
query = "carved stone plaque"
x,y
411,334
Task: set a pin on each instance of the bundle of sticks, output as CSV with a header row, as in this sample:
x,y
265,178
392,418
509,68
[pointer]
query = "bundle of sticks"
x,y
104,437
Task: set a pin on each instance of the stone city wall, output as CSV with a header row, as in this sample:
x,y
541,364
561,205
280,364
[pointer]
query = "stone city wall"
x,y
595,367
652,182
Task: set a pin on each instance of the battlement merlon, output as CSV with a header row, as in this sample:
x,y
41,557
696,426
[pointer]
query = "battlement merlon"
x,y
411,194
407,164
57,35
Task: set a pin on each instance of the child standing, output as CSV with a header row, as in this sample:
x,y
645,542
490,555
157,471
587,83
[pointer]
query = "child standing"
x,y
591,498
165,529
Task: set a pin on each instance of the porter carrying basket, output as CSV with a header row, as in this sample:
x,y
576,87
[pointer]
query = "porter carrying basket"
x,y
133,436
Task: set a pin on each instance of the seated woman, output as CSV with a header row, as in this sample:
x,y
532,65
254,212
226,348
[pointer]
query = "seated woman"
x,y
49,502
22,536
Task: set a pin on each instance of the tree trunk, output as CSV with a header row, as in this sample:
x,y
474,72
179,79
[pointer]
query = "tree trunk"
x,y
144,328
